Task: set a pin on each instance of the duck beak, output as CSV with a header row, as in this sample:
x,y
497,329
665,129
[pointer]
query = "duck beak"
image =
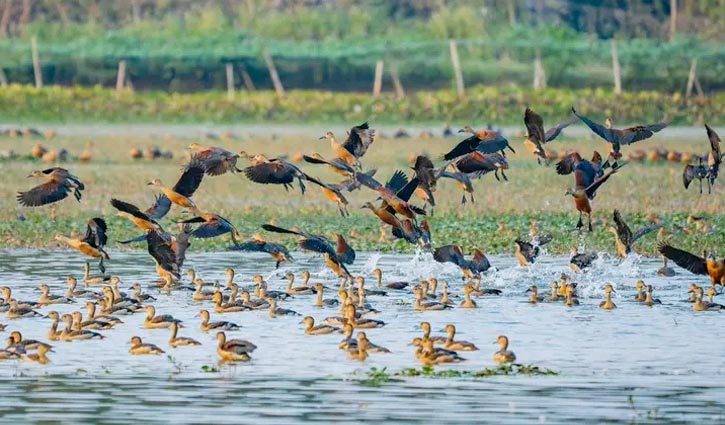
x,y
150,184
461,131
527,291
323,137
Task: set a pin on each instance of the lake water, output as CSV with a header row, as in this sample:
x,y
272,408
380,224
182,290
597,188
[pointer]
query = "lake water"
x,y
634,364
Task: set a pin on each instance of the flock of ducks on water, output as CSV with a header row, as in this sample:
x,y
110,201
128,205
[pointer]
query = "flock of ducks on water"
x,y
106,307
482,153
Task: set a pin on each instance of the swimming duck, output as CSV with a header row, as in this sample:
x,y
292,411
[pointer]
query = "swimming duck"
x,y
79,323
429,355
93,280
274,311
352,317
426,328
206,325
320,302
138,296
444,293
392,285
362,306
8,294
17,343
200,295
180,341
430,305
709,303
648,300
73,292
91,307
554,292
607,304
108,306
467,301
302,290
570,300
53,332
39,356
699,305
504,355
361,284
259,281
360,350
138,347
253,304
234,349
17,312
692,290
70,334
46,298
311,329
478,291
162,321
453,345
664,270
9,354
640,296
347,340
226,308
535,297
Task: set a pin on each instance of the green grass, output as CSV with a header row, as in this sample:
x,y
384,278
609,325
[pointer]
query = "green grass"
x,y
533,192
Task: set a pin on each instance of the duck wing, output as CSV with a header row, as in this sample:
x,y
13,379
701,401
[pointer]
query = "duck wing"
x,y
191,178
684,259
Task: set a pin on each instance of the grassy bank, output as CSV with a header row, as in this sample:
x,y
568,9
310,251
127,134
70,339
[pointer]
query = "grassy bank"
x,y
502,212
497,105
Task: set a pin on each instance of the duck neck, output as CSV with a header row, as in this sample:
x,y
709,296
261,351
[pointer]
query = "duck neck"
x,y
648,297
380,280
174,331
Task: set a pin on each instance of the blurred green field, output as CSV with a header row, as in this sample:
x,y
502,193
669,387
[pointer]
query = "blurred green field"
x,y
532,192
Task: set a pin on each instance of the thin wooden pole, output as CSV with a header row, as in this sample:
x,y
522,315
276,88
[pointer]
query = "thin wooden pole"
x,y
378,82
673,19
3,78
539,72
36,62
121,75
230,80
246,78
616,69
273,73
460,88
691,78
511,8
399,91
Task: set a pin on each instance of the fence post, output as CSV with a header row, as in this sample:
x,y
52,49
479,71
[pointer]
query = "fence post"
x,y
36,62
673,18
378,82
399,91
539,72
691,78
230,80
246,78
121,75
616,70
273,73
460,88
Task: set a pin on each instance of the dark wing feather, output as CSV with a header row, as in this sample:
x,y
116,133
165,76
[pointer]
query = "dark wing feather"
x,y
160,249
554,132
450,254
96,233
160,208
316,245
191,178
688,175
496,144
46,193
358,140
466,146
407,191
644,231
592,189
623,231
714,144
182,244
567,165
344,251
276,229
397,181
641,132
479,263
367,180
535,127
528,250
684,259
211,229
134,240
269,173
131,209
600,130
